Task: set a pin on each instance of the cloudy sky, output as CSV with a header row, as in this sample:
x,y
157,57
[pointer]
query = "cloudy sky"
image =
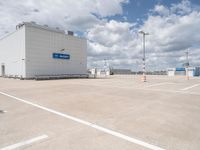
x,y
111,27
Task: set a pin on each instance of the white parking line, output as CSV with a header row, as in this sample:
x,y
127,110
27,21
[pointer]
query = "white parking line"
x,y
23,143
157,84
97,127
187,88
150,89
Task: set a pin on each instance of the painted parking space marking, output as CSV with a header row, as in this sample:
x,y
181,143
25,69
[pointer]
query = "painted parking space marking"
x,y
150,89
190,87
157,84
92,125
24,143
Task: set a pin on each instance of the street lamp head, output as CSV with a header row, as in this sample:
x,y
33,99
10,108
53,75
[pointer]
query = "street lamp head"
x,y
142,32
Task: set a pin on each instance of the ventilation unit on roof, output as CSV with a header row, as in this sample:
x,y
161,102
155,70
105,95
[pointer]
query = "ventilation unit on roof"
x,y
70,33
19,26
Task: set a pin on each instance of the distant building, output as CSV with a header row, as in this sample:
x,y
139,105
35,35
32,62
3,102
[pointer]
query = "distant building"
x,y
99,72
192,71
120,71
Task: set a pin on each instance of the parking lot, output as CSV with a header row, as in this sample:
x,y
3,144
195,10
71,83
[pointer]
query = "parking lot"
x,y
113,113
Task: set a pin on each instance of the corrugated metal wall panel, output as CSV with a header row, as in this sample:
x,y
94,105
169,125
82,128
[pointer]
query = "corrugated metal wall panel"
x,y
41,44
12,53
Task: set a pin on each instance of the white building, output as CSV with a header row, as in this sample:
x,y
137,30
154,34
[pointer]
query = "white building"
x,y
34,50
192,71
97,72
171,71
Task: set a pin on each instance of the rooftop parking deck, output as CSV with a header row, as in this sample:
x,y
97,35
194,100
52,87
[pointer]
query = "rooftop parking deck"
x,y
117,112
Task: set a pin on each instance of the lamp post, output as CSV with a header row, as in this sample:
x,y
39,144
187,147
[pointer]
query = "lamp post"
x,y
143,59
187,65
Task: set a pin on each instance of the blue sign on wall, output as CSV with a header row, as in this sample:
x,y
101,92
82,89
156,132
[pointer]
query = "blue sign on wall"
x,y
180,69
60,56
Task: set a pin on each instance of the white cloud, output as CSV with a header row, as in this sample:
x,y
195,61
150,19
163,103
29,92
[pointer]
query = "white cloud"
x,y
161,10
111,33
68,14
114,41
108,8
182,8
81,22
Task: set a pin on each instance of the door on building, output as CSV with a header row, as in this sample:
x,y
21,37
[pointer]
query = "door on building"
x,y
2,70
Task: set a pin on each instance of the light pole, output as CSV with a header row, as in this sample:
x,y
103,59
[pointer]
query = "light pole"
x,y
143,59
187,64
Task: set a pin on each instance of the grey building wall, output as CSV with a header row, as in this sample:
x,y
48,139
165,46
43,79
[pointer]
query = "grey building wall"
x,y
41,44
